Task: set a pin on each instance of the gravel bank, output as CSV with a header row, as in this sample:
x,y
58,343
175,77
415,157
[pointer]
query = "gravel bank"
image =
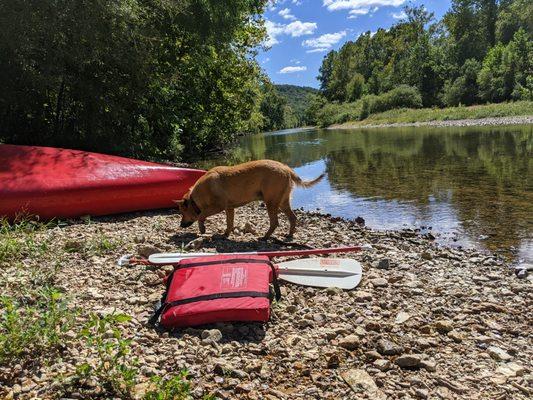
x,y
425,322
519,120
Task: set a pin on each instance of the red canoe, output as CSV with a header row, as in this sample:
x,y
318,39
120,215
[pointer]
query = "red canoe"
x,y
50,182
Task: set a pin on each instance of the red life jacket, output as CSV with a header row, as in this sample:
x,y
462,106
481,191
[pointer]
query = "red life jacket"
x,y
218,288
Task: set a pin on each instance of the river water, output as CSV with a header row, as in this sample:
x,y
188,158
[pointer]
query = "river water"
x,y
470,186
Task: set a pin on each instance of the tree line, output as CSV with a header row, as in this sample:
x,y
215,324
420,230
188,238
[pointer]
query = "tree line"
x,y
480,51
147,78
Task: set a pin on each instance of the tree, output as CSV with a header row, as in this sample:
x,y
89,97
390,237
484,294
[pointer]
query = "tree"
x,y
506,68
356,87
273,108
325,71
464,89
128,76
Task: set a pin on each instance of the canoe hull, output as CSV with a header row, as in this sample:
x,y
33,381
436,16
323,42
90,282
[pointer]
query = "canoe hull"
x,y
57,183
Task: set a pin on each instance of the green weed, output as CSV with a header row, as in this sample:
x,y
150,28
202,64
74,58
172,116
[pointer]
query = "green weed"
x,y
32,326
18,240
112,369
96,246
176,388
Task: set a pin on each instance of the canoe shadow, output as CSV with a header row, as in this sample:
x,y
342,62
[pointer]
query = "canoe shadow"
x,y
241,332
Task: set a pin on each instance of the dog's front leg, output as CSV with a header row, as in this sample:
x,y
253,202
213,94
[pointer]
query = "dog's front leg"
x,y
230,218
201,225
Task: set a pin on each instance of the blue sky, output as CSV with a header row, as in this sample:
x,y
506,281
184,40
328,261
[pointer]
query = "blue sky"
x,y
301,32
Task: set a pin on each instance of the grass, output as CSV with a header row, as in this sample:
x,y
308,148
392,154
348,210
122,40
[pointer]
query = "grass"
x,y
32,326
96,246
18,240
341,113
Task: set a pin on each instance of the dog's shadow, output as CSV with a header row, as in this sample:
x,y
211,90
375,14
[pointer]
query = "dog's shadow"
x,y
222,244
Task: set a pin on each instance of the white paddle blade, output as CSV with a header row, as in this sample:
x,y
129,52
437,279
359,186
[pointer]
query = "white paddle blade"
x,y
343,273
172,258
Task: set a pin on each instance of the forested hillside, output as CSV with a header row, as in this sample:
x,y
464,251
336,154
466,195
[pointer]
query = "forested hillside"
x,y
297,99
481,51
148,78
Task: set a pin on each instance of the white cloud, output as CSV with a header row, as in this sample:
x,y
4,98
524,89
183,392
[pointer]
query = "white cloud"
x,y
296,2
291,69
299,28
286,13
358,11
294,29
400,15
360,7
323,42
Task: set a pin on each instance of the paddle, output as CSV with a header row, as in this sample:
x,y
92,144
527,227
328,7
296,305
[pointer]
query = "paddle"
x,y
174,258
321,272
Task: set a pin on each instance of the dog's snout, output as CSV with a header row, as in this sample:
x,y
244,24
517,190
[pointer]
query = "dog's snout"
x,y
186,224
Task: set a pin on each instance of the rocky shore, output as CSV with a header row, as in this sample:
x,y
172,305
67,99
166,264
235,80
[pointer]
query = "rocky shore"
x,y
493,121
425,322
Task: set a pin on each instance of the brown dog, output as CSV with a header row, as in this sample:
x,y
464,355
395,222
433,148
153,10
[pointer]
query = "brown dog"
x,y
226,188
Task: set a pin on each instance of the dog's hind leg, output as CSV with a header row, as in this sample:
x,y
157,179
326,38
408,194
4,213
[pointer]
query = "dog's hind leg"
x,y
287,210
230,217
272,209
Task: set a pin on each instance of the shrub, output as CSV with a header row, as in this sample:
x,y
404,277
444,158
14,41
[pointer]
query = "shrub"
x,y
402,96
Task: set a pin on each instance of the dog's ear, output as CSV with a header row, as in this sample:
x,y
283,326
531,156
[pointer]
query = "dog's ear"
x,y
180,203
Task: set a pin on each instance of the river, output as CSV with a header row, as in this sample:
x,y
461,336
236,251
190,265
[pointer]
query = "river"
x,y
469,186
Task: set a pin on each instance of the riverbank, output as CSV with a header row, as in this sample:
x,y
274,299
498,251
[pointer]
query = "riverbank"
x,y
491,121
425,322
345,116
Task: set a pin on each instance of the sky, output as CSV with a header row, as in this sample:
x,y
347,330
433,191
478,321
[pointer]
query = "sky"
x,y
301,32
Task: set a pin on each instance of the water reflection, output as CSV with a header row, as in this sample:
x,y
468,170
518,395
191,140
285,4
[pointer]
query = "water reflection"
x,y
472,185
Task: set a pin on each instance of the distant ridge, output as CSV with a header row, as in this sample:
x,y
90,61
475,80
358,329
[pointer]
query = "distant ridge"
x,y
297,98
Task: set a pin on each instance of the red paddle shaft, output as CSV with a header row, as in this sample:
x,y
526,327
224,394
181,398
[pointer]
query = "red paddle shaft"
x,y
288,253
278,253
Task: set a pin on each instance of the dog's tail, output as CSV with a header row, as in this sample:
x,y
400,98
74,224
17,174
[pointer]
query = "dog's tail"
x,y
306,184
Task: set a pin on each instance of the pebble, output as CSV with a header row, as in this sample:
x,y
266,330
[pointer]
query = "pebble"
x,y
443,326
361,296
384,263
401,317
455,336
211,335
379,282
428,365
382,365
388,348
408,361
498,354
350,342
361,382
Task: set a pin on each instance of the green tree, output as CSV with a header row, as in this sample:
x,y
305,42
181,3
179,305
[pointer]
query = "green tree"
x,y
272,108
325,71
464,89
356,87
128,76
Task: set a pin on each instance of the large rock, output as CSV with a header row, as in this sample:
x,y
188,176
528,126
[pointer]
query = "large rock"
x,y
350,342
409,361
362,383
498,354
